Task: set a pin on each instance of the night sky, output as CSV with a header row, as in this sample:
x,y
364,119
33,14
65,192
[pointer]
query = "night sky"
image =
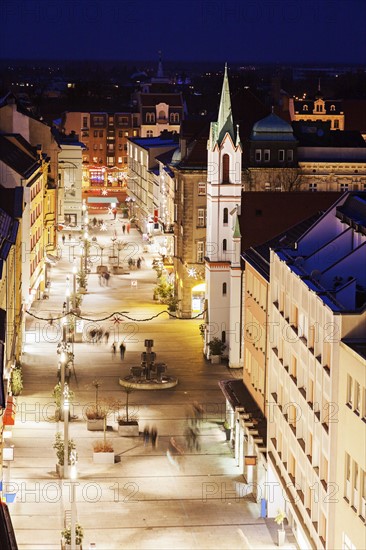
x,y
314,31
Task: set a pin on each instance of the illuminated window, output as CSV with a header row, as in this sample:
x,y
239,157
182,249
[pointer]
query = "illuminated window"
x,y
200,251
95,133
119,160
202,188
305,108
149,133
332,107
201,217
344,187
313,187
120,133
100,133
336,124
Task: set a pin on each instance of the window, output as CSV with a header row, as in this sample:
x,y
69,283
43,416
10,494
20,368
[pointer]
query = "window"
x,y
100,133
267,155
349,390
281,155
336,124
363,494
225,169
95,146
120,133
85,121
344,187
135,133
161,115
223,337
149,133
357,398
200,251
290,155
313,187
110,161
202,188
95,133
305,108
126,134
258,155
120,146
120,160
174,117
225,216
101,146
355,484
150,117
201,217
224,245
332,107
224,289
95,159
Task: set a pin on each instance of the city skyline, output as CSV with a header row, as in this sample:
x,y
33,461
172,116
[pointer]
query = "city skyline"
x,y
258,32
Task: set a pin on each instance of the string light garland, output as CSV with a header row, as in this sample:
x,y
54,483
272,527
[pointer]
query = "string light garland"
x,y
116,316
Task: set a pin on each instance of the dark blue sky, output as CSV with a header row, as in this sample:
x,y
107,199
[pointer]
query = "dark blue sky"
x,y
316,31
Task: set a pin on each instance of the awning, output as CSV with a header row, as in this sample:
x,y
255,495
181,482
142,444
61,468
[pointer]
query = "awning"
x,y
239,396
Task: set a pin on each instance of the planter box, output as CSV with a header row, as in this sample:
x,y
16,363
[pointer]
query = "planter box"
x,y
129,430
96,425
281,537
215,359
103,458
68,547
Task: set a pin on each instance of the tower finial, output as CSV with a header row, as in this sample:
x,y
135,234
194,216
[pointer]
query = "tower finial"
x,y
225,119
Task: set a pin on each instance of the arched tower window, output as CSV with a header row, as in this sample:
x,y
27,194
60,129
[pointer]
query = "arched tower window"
x,y
225,216
224,245
224,289
223,336
225,169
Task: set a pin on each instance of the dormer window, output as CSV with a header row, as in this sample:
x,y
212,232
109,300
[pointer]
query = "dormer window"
x,y
332,107
174,117
150,117
305,108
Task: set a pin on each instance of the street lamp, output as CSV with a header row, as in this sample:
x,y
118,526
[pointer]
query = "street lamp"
x,y
73,477
66,407
74,272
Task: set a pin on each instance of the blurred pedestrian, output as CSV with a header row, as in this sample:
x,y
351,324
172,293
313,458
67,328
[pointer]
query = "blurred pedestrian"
x,y
154,436
128,227
138,263
122,350
106,277
114,349
100,279
106,336
69,236
124,228
146,435
63,239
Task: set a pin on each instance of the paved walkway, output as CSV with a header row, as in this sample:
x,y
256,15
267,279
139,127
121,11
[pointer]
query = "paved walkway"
x,y
143,501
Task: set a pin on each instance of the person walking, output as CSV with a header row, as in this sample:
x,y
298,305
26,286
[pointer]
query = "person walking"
x,y
154,436
122,350
124,228
146,435
106,336
114,349
106,277
63,239
69,236
128,228
100,279
138,263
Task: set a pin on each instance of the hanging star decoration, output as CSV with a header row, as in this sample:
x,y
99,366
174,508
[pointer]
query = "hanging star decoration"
x,y
110,211
117,320
103,227
192,272
105,192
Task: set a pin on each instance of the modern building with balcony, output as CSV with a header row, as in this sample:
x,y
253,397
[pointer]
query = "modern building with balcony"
x,y
317,304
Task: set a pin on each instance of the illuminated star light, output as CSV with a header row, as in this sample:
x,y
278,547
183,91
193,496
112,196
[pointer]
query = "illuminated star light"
x,y
192,272
110,211
103,227
117,320
105,192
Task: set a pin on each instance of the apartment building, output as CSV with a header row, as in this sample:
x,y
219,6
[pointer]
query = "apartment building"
x,y
105,136
319,108
317,299
159,112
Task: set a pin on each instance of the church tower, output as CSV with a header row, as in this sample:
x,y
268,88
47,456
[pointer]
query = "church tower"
x,y
223,273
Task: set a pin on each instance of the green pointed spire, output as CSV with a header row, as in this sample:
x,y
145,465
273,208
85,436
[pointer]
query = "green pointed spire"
x,y
225,119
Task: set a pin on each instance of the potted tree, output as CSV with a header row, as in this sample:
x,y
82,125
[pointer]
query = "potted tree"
x,y
127,424
95,413
60,449
216,347
66,537
82,280
57,396
281,533
103,451
16,380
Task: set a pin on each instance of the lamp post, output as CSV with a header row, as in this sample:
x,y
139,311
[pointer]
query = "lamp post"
x,y
73,477
66,406
74,271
